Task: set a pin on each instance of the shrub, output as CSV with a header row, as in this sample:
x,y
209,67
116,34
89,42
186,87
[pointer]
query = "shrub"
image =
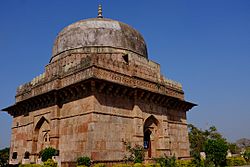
x,y
197,160
138,165
234,149
216,151
166,161
149,165
4,156
84,161
49,163
99,165
185,163
152,165
246,155
48,153
122,165
30,165
137,153
236,161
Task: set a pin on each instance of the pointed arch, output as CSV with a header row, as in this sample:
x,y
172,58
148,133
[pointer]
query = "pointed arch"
x,y
41,121
150,128
150,121
41,135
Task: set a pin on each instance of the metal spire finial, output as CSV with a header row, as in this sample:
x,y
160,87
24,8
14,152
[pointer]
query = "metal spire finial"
x,y
100,12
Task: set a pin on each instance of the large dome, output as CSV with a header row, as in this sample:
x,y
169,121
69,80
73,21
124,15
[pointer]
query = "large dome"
x,y
99,32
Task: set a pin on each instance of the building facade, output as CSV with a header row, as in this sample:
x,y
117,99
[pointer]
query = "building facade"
x,y
98,91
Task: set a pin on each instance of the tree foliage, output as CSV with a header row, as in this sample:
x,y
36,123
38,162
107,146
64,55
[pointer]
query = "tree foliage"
x,y
216,151
166,161
234,149
49,163
200,141
246,155
137,153
198,137
48,153
84,161
236,161
4,156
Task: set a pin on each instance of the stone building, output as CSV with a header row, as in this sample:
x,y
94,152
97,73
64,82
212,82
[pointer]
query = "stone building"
x,y
99,90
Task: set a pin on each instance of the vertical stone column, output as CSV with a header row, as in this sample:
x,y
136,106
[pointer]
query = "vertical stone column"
x,y
55,126
138,124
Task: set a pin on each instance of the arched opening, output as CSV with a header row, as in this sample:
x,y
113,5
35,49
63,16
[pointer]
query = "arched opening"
x,y
40,122
150,135
41,137
147,142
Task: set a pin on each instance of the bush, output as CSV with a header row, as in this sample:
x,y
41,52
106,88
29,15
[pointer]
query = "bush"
x,y
149,165
137,153
138,165
152,165
122,165
48,153
30,165
236,161
216,151
84,161
234,149
99,165
185,163
4,156
166,161
246,155
49,163
197,159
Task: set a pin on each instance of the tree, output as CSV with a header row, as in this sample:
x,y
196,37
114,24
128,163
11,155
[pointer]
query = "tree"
x,y
4,156
212,133
48,153
216,151
198,139
246,155
234,149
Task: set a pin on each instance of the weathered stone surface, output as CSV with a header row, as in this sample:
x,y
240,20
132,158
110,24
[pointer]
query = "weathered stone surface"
x,y
99,32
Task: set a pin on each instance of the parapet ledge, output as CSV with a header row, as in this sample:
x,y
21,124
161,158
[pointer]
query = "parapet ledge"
x,y
171,83
27,86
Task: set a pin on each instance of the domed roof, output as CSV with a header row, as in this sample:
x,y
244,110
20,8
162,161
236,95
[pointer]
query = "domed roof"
x,y
99,32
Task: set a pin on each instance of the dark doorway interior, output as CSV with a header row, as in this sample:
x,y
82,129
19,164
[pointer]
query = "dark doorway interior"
x,y
147,141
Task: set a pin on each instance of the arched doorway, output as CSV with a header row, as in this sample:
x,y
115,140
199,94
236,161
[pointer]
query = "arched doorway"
x,y
41,135
147,142
150,136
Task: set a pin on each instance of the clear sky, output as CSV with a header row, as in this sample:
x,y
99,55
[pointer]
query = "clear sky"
x,y
205,45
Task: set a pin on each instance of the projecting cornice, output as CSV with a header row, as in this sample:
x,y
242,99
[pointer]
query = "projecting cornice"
x,y
93,87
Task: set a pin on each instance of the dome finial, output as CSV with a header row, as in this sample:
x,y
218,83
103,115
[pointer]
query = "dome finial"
x,y
100,12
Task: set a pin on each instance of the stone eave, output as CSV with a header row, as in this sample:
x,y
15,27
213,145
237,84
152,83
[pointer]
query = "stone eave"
x,y
89,87
22,104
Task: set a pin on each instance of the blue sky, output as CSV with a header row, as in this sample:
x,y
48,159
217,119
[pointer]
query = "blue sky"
x,y
205,45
